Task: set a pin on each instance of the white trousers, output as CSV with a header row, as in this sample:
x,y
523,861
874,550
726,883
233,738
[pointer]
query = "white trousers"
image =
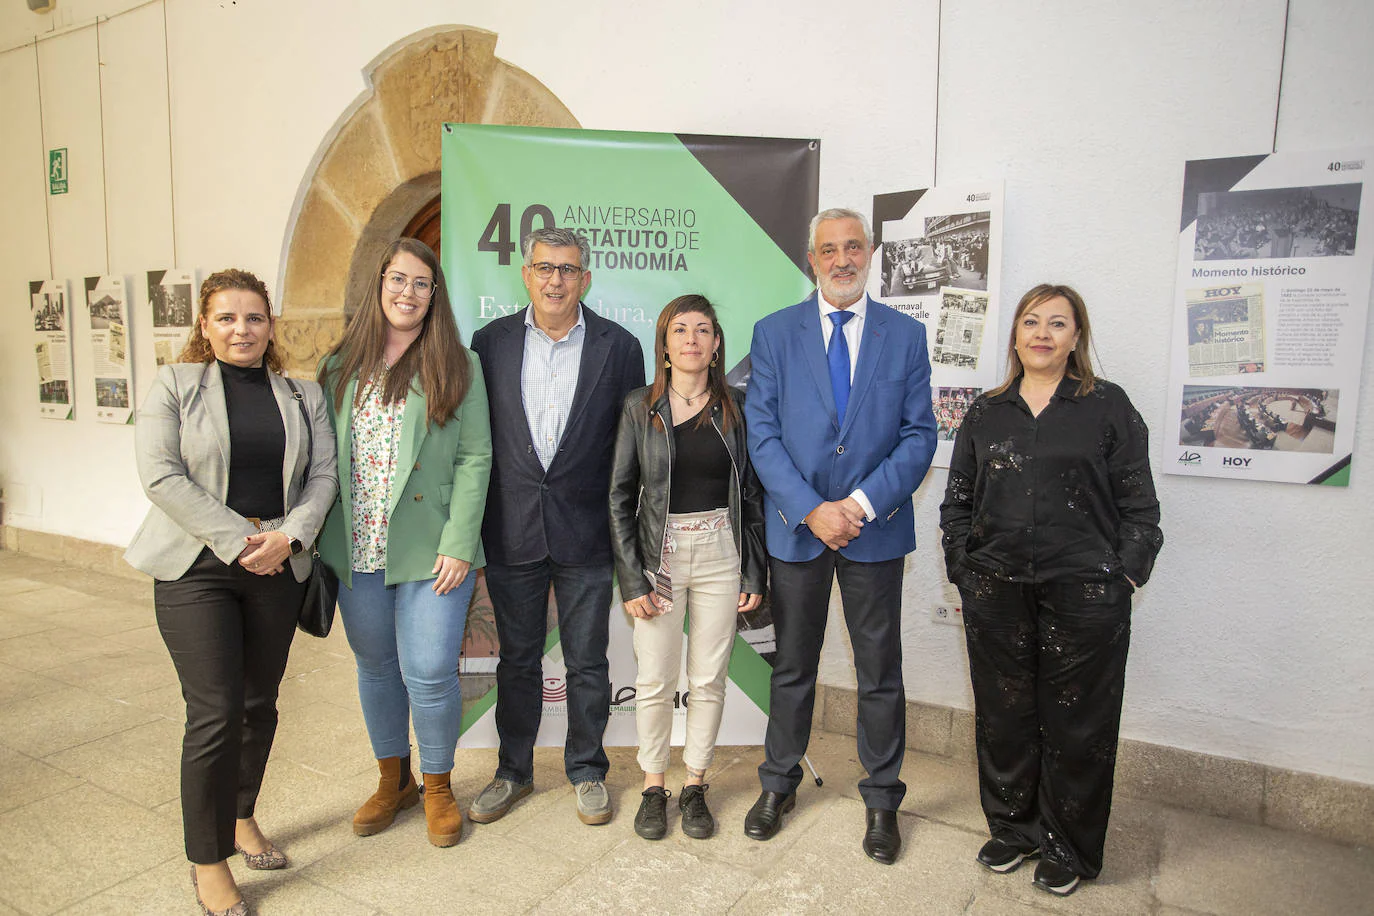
x,y
705,570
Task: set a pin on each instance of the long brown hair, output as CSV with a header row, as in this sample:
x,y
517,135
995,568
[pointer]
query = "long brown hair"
x,y
198,349
715,373
1080,359
436,356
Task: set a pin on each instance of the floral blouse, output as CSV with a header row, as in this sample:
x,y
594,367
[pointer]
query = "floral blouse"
x,y
376,444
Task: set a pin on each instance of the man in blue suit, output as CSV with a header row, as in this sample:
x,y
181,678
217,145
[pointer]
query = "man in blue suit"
x,y
841,433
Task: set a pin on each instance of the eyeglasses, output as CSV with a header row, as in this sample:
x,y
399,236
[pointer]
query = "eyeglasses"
x,y
423,287
543,270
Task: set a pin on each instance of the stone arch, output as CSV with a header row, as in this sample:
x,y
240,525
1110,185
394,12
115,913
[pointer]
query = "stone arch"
x,y
380,164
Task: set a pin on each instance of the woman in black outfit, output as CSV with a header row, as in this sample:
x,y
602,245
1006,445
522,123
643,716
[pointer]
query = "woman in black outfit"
x,y
1050,523
223,453
687,534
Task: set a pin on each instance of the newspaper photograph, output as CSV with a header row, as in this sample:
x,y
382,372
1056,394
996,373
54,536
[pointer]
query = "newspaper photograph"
x,y
52,348
959,335
108,304
950,406
1312,222
1226,330
1282,419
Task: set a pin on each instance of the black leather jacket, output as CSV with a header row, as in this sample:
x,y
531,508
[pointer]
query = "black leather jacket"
x,y
639,495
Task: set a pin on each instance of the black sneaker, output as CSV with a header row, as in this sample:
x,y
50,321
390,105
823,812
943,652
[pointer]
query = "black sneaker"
x,y
652,820
1003,857
697,821
1055,878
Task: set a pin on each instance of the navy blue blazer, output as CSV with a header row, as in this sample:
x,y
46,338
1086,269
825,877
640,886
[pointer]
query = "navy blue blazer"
x,y
804,457
563,513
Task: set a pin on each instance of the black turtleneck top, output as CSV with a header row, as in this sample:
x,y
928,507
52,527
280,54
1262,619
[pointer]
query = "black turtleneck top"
x,y
257,443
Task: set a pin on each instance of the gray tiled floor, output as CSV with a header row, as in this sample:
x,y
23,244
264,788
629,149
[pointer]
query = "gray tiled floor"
x,y
90,719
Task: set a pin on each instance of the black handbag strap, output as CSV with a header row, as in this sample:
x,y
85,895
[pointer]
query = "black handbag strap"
x,y
309,427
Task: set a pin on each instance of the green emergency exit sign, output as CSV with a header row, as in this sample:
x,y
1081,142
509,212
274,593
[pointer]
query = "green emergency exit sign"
x,y
57,171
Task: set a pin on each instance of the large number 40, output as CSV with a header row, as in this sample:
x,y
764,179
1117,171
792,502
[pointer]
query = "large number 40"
x,y
496,237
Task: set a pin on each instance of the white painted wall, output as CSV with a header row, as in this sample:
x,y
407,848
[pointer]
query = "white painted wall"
x,y
1252,640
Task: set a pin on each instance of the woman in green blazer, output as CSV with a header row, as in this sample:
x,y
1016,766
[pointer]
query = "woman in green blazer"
x,y
409,409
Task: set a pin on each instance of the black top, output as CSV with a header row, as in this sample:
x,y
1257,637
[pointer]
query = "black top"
x,y
701,469
257,443
1066,495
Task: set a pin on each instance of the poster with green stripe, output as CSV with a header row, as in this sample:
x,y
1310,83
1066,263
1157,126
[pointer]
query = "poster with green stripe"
x,y
665,214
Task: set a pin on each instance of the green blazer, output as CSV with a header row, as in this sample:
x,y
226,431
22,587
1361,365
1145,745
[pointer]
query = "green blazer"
x,y
437,495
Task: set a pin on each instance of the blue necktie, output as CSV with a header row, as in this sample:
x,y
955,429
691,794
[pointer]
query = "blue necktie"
x,y
838,357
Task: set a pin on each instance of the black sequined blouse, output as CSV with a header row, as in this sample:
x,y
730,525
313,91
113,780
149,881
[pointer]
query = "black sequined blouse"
x,y
1064,496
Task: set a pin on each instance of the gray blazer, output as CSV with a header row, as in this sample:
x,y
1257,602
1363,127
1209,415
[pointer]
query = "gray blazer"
x,y
182,443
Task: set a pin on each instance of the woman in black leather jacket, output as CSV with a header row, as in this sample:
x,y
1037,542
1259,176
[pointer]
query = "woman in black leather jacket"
x,y
687,533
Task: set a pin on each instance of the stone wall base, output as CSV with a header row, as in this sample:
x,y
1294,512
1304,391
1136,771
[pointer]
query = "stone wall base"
x,y
1334,809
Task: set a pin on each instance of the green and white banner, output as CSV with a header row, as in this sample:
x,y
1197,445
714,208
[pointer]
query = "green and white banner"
x,y
666,214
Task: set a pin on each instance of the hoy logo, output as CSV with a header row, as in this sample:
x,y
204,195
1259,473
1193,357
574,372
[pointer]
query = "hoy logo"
x,y
1190,458
1235,462
1222,291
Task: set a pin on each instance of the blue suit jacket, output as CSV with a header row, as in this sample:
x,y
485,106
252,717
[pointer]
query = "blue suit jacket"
x,y
804,457
564,512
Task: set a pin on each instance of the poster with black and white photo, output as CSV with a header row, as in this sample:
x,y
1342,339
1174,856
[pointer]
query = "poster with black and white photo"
x,y
109,310
171,300
938,259
52,326
1275,256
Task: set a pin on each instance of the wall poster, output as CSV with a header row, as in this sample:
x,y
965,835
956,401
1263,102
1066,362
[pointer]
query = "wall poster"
x,y
938,259
109,310
52,324
665,214
1272,297
171,300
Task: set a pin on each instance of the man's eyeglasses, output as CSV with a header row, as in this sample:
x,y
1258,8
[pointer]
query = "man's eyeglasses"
x,y
543,270
423,287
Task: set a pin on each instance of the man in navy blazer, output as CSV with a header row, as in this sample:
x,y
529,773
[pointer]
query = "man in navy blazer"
x,y
557,375
841,433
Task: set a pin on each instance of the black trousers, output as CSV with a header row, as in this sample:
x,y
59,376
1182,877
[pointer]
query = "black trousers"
x,y
229,633
1048,664
872,597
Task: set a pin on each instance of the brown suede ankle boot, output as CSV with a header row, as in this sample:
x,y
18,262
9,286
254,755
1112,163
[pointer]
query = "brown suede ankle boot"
x,y
395,790
442,817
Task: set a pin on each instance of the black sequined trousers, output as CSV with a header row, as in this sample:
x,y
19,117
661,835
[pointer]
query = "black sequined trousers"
x,y
1048,664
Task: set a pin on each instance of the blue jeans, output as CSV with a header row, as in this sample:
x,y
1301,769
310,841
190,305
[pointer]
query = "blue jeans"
x,y
406,640
520,599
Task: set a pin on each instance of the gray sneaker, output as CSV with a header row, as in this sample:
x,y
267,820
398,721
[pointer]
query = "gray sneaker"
x,y
593,803
496,799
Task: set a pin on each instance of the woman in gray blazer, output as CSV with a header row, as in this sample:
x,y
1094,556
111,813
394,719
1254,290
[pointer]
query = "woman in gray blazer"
x,y
237,494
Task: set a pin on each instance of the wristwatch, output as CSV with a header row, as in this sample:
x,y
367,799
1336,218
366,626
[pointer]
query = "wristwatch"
x,y
296,546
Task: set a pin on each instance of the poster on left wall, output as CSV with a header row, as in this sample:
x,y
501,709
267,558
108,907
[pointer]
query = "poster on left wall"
x,y
171,294
109,311
52,347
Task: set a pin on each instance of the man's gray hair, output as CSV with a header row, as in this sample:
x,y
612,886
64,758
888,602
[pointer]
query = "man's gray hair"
x,y
838,213
558,238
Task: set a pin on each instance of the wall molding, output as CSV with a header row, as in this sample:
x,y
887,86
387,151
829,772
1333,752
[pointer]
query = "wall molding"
x,y
1254,793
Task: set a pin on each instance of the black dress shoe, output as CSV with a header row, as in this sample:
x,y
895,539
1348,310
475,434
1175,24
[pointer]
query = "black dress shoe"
x,y
765,819
882,840
651,822
1055,878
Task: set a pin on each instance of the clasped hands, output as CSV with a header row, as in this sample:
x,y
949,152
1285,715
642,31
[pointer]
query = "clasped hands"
x,y
836,523
266,552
